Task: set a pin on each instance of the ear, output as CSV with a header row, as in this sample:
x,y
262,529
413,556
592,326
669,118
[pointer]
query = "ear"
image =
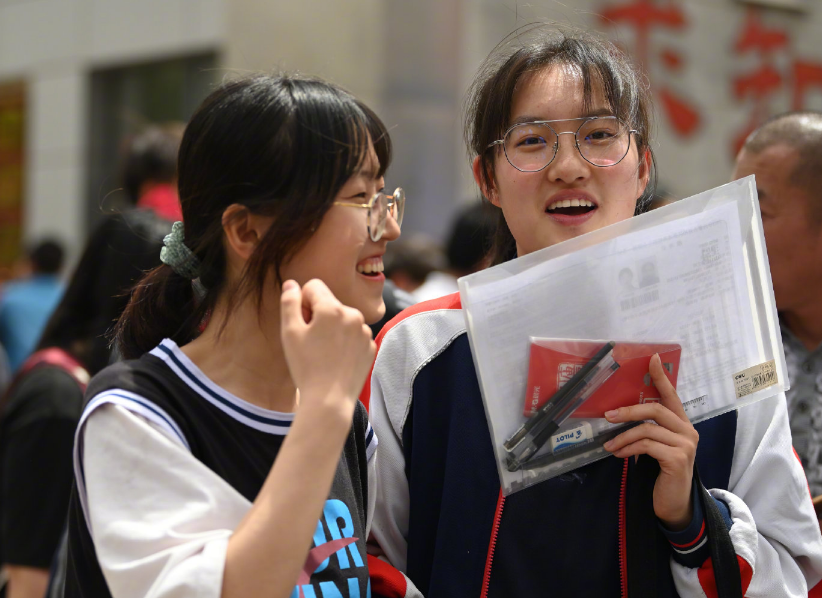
x,y
243,230
644,171
490,193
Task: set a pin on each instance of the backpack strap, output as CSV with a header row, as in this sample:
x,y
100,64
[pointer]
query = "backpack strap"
x,y
648,550
58,358
723,556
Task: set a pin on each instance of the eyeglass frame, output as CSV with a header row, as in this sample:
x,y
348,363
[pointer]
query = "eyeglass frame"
x,y
584,119
398,195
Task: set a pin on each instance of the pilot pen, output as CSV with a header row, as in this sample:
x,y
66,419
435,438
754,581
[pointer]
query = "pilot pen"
x,y
570,404
539,417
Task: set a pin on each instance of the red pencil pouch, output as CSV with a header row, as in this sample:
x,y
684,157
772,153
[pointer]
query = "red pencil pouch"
x,y
554,361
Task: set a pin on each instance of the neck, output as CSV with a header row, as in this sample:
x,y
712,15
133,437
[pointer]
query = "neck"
x,y
806,325
243,354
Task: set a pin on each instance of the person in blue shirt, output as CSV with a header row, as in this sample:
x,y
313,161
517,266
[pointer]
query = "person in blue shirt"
x,y
27,303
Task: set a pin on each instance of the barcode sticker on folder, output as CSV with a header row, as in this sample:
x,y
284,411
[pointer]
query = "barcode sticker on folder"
x,y
755,378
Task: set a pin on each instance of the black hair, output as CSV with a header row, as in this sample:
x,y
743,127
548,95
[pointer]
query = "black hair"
x,y
281,146
118,253
802,131
151,156
528,50
46,257
416,256
470,239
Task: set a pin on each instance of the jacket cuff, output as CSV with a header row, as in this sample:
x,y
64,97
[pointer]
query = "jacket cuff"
x,y
690,546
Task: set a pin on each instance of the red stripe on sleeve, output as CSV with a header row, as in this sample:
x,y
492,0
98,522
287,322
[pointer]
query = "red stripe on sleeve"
x,y
693,542
386,582
708,583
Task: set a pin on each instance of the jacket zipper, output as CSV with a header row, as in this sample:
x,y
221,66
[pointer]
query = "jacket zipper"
x,y
486,578
623,557
623,552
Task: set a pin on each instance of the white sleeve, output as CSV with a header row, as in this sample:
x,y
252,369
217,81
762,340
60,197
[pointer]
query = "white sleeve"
x,y
389,528
775,529
159,518
405,350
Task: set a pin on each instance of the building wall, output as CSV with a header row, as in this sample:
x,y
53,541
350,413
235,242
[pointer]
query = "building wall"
x,y
412,62
53,45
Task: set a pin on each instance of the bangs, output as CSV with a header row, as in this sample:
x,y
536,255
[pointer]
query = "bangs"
x,y
337,130
599,64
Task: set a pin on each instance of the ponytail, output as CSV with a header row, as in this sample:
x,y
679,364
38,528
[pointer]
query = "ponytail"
x,y
162,305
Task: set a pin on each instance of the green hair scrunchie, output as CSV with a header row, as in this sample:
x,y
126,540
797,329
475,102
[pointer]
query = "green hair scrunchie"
x,y
176,255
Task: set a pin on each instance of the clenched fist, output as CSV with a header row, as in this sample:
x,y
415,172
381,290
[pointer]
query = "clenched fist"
x,y
328,347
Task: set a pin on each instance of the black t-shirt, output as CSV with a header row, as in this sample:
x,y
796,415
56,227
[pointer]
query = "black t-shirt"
x,y
239,444
36,440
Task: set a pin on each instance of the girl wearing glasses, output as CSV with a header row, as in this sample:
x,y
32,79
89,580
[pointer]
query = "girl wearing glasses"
x,y
229,456
559,127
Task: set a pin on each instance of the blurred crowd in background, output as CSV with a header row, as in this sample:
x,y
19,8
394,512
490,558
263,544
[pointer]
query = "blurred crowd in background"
x,y
62,288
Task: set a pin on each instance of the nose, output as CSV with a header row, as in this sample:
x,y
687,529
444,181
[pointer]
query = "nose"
x,y
568,165
392,229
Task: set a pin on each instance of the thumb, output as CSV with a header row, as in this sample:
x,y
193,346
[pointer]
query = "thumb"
x,y
291,300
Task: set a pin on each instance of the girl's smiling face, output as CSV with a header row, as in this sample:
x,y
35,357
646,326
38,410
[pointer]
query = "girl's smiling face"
x,y
605,195
341,252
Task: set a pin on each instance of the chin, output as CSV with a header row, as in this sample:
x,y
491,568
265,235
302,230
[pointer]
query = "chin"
x,y
373,313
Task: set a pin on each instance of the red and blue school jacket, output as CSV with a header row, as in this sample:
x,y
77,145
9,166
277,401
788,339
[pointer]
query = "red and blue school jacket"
x,y
443,530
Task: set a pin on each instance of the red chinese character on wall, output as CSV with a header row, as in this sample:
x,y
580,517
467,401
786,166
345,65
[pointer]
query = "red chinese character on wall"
x,y
644,16
763,84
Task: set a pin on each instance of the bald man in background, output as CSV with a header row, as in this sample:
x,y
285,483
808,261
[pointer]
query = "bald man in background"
x,y
785,154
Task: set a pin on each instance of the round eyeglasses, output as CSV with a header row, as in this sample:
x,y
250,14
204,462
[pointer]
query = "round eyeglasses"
x,y
601,140
380,206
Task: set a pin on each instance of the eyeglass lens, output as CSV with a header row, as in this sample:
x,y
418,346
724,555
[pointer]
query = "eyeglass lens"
x,y
397,208
378,213
383,206
602,141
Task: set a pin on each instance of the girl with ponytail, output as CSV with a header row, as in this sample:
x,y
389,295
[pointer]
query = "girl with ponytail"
x,y
220,458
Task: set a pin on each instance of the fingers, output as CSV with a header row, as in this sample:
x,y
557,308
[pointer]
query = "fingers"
x,y
318,300
649,411
674,430
291,301
315,292
646,446
646,431
668,413
325,307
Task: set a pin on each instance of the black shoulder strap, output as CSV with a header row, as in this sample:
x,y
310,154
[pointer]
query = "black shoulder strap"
x,y
648,550
723,555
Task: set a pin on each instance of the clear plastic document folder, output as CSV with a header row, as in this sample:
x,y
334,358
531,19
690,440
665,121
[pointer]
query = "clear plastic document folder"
x,y
693,274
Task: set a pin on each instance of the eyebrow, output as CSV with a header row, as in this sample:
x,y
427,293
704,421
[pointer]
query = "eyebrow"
x,y
525,118
369,173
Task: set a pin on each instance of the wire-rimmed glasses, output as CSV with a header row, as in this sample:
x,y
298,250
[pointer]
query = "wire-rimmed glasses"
x,y
379,208
601,140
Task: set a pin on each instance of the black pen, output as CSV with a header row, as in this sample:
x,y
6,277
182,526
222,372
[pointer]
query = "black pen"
x,y
561,406
542,412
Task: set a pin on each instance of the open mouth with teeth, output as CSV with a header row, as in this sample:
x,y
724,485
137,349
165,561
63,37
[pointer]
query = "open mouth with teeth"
x,y
371,268
571,207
